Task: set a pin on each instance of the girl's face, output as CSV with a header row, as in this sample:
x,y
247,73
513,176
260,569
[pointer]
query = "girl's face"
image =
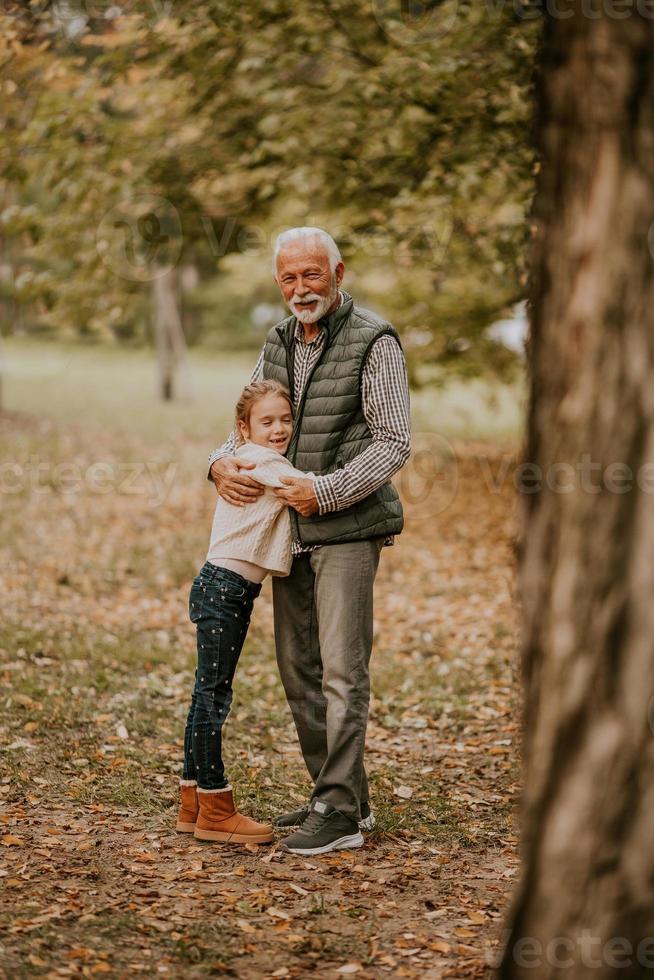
x,y
271,423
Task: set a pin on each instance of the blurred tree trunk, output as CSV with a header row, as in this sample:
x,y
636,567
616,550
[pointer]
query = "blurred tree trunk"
x,y
7,308
585,904
172,359
2,373
189,278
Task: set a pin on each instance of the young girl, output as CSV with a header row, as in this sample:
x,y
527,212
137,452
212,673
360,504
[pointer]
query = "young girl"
x,y
247,543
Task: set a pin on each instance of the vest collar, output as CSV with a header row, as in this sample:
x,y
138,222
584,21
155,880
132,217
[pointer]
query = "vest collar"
x,y
332,324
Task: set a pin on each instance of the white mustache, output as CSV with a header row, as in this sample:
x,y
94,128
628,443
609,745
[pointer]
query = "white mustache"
x,y
309,298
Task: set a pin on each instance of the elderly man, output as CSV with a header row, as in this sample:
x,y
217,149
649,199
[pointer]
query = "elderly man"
x,y
346,372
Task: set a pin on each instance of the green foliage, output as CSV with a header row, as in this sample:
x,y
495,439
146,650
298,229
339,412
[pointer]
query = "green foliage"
x,y
194,134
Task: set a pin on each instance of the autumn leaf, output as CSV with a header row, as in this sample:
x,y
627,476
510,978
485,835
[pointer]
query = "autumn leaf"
x,y
404,792
440,946
277,913
145,857
477,917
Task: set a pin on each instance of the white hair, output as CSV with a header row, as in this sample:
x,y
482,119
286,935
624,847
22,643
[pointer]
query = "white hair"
x,y
298,234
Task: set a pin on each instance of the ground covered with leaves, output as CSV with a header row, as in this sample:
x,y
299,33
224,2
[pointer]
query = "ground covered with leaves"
x,y
96,657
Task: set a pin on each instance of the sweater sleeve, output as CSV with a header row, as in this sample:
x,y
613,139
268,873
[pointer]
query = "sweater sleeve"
x,y
271,466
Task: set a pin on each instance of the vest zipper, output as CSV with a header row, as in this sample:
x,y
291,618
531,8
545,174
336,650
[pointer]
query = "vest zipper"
x,y
298,417
289,362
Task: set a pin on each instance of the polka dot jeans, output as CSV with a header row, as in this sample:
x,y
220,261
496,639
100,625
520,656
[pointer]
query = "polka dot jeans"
x,y
220,605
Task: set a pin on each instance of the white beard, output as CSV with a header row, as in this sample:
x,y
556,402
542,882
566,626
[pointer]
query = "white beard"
x,y
324,302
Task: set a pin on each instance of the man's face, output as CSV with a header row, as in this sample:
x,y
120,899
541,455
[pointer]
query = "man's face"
x,y
306,280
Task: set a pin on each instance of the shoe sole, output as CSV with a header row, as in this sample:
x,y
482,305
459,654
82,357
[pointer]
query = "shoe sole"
x,y
184,828
343,843
368,823
219,835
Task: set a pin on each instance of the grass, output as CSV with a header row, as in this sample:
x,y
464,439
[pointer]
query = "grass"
x,y
70,693
115,387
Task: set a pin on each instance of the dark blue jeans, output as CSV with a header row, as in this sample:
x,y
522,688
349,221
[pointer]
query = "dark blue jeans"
x,y
220,605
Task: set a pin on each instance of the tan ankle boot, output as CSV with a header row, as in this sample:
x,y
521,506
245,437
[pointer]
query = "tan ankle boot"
x,y
188,808
219,820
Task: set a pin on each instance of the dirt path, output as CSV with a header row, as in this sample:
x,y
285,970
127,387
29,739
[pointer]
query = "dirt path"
x,y
96,662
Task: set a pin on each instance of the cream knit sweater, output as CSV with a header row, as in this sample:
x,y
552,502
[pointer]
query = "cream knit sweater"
x,y
259,532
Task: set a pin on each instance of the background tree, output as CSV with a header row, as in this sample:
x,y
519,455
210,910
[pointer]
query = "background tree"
x,y
584,904
405,136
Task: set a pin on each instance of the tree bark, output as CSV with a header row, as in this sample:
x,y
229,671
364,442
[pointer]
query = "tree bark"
x,y
584,906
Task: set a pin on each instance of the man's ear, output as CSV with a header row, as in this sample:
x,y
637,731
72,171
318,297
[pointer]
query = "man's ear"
x,y
339,272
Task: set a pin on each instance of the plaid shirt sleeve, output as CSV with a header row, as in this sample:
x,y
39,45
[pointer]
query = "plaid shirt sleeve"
x,y
386,407
229,446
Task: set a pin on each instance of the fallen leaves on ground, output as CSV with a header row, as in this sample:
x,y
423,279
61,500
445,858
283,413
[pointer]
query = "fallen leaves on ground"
x,y
96,656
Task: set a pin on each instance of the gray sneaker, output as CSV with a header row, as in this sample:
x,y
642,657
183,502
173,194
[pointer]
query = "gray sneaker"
x,y
325,829
295,817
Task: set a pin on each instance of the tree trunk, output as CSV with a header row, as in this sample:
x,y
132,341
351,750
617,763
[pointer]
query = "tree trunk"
x,y
172,359
2,373
5,311
585,904
188,281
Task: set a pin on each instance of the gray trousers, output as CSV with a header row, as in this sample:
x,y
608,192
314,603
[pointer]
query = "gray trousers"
x,y
323,637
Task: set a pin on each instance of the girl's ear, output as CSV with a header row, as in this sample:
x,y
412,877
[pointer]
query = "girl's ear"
x,y
243,429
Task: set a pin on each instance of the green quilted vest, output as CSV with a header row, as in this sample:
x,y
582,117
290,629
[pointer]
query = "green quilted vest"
x,y
330,428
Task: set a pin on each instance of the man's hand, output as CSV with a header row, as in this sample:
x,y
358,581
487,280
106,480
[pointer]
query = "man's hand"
x,y
300,495
231,485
